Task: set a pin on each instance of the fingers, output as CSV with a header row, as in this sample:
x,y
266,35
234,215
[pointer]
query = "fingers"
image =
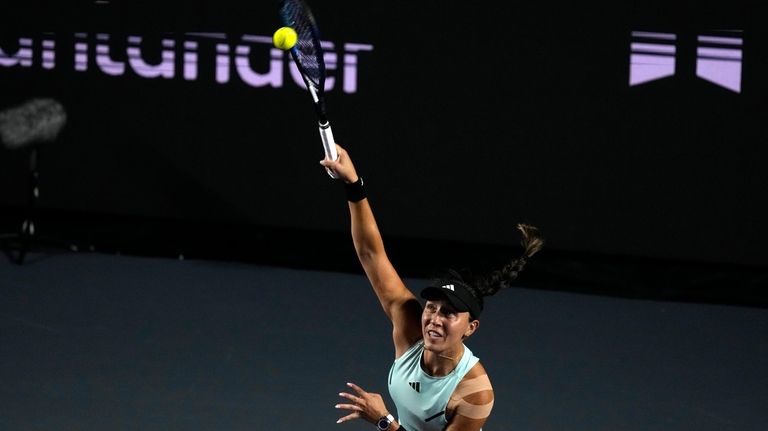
x,y
332,166
342,166
354,407
350,397
364,405
357,389
357,410
330,163
341,156
348,417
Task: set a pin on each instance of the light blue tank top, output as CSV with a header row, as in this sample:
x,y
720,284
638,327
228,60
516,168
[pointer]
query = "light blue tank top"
x,y
421,399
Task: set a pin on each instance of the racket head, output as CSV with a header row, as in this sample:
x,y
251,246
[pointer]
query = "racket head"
x,y
307,53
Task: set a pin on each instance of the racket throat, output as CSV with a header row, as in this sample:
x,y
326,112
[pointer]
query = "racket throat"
x,y
313,92
319,104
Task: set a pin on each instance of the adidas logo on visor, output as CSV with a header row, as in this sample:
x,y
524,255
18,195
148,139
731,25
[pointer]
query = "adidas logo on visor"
x,y
449,287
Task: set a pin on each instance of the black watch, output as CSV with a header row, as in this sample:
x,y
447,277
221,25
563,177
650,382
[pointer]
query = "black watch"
x,y
385,422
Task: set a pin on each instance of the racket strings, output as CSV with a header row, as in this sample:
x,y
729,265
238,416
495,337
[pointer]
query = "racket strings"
x,y
307,51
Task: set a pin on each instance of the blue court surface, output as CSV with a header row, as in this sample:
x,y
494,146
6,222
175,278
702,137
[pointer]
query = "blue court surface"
x,y
104,342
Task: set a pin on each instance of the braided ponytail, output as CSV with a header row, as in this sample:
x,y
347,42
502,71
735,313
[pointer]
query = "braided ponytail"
x,y
487,285
502,278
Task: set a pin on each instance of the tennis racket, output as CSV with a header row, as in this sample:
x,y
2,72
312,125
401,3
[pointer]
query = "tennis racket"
x,y
308,56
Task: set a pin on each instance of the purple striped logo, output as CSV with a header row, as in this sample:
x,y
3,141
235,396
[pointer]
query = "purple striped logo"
x,y
718,57
718,60
652,56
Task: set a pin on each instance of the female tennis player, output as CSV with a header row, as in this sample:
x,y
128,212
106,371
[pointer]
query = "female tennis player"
x,y
435,381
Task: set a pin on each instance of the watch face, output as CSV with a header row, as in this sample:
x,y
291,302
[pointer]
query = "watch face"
x,y
383,424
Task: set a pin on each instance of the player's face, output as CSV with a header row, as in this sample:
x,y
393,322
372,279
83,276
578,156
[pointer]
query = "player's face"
x,y
443,327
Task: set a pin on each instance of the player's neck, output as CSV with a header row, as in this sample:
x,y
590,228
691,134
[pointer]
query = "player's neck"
x,y
438,364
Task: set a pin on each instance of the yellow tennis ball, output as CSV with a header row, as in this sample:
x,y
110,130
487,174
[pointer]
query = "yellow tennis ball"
x,y
284,38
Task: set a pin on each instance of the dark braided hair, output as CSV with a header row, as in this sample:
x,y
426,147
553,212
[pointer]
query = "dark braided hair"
x,y
489,284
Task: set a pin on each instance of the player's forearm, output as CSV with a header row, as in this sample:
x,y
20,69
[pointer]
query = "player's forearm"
x,y
387,285
370,250
365,233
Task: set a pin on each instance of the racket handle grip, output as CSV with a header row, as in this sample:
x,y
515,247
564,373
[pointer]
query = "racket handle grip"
x,y
329,145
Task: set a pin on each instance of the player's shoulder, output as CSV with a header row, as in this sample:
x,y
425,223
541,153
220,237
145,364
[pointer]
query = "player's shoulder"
x,y
475,384
477,370
473,397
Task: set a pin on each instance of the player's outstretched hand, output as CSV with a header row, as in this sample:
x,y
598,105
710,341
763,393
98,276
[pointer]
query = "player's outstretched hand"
x,y
364,405
342,166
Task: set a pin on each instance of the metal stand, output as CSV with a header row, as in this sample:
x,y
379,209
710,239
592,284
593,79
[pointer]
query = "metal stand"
x,y
27,238
27,126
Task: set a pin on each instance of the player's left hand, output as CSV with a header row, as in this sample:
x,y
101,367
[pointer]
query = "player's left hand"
x,y
365,405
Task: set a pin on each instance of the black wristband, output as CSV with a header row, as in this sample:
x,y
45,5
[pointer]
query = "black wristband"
x,y
355,191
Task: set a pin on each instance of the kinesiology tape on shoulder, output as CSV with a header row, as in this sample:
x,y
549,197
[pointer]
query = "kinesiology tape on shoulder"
x,y
465,390
471,386
474,411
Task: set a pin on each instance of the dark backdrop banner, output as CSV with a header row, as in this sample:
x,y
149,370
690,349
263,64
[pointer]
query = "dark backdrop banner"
x,y
464,120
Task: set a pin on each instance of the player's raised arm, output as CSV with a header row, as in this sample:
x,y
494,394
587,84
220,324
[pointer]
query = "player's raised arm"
x,y
399,303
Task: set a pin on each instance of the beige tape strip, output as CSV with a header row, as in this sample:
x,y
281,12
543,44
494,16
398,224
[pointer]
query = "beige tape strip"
x,y
470,386
474,411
